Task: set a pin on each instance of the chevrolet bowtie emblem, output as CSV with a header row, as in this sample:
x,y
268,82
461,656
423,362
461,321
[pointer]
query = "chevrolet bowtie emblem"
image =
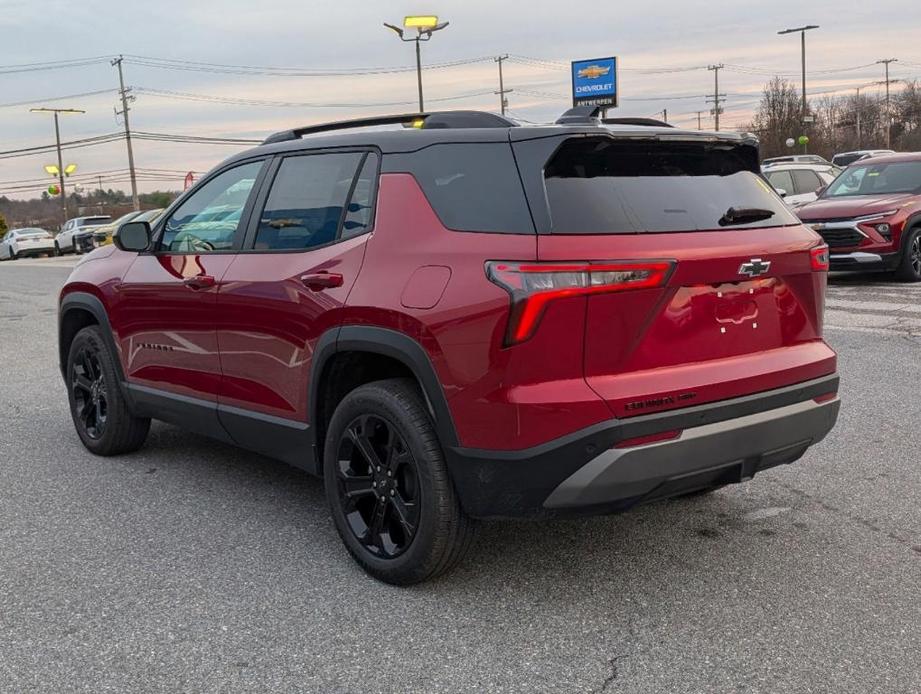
x,y
755,267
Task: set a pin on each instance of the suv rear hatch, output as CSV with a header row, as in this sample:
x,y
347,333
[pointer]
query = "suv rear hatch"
x,y
700,284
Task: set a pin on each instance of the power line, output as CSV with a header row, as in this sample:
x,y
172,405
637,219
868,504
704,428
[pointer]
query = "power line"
x,y
57,98
219,68
243,101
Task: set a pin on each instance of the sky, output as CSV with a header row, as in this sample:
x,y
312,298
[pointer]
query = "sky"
x,y
663,49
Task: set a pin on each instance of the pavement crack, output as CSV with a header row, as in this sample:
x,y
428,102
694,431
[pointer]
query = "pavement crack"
x,y
609,680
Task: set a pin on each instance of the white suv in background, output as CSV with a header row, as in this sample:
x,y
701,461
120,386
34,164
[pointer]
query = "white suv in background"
x,y
799,183
64,241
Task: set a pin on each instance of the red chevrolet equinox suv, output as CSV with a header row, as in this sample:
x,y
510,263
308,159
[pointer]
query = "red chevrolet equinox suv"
x,y
465,318
870,216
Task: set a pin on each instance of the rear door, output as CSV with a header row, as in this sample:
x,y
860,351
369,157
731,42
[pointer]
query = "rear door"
x,y
302,255
739,310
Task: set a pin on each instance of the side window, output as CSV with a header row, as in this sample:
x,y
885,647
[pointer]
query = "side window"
x,y
359,215
209,218
806,181
781,180
306,201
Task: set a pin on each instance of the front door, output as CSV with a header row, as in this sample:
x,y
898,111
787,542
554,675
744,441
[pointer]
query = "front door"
x,y
166,308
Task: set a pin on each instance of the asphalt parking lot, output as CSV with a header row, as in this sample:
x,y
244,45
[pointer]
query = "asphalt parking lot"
x,y
193,566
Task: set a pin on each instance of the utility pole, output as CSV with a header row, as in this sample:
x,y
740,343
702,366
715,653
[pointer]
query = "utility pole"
x,y
503,102
717,97
888,112
857,109
135,201
57,140
802,31
699,127
665,115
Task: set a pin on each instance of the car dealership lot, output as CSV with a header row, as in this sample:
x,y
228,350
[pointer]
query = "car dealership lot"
x,y
195,566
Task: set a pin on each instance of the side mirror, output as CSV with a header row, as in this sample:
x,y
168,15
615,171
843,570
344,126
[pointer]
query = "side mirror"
x,y
781,192
133,237
820,190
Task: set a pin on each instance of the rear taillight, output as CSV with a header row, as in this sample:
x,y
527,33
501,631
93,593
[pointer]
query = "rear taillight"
x,y
818,257
534,285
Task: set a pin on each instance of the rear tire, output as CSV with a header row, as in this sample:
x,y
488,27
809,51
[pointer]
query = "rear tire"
x,y
98,408
57,249
909,269
391,498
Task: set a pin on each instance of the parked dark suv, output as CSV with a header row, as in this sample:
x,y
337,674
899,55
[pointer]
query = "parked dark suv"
x,y
466,318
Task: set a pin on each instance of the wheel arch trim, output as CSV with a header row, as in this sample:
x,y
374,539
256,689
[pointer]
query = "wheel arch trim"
x,y
84,301
392,344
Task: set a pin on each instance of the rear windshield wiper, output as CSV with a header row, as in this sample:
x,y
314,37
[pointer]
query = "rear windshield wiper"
x,y
743,215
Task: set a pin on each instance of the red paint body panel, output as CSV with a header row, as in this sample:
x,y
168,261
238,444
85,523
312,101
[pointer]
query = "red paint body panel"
x,y
166,330
268,323
906,205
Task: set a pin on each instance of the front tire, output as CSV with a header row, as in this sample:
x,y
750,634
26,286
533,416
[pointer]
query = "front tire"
x,y
388,487
57,249
99,411
13,255
909,269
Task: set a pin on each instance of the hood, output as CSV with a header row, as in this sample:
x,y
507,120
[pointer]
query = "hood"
x,y
854,206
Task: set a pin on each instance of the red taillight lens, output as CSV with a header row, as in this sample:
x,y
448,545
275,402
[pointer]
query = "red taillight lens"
x,y
818,257
534,285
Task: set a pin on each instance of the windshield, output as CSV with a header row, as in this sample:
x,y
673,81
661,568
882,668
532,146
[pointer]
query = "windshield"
x,y
603,186
877,179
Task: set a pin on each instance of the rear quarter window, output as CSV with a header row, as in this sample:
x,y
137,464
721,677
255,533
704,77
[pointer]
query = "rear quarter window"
x,y
471,186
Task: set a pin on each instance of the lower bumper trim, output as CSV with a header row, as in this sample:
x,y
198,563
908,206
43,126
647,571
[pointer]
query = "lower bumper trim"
x,y
737,447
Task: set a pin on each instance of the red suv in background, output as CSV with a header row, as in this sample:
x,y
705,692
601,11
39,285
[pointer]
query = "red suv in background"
x,y
870,216
466,318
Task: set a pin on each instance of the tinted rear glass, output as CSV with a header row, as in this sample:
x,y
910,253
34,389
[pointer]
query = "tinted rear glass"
x,y
605,186
471,186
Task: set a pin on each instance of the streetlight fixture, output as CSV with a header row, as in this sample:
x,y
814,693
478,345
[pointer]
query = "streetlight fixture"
x,y
60,169
802,30
425,26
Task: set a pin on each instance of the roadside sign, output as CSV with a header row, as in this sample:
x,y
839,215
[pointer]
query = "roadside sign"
x,y
189,180
594,82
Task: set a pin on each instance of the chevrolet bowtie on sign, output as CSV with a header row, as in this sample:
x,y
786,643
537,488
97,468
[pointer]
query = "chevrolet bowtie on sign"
x,y
594,82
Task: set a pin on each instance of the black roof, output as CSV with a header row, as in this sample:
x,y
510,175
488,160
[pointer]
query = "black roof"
x,y
464,126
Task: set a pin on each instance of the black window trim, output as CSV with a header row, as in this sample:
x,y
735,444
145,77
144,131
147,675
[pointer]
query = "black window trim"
x,y
252,229
157,231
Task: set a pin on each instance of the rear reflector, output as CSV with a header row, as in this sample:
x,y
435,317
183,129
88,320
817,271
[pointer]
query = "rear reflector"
x,y
825,398
532,286
818,256
649,438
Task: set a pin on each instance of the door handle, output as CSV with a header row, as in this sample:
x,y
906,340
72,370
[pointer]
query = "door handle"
x,y
318,281
199,282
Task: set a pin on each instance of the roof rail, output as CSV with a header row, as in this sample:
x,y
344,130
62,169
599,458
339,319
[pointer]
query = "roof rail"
x,y
437,119
651,122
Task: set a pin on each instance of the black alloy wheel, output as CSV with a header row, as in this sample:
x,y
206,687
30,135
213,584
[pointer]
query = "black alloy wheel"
x,y
388,487
378,484
90,397
909,269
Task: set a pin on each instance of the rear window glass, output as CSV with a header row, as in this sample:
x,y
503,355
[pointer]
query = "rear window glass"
x,y
92,221
471,186
605,186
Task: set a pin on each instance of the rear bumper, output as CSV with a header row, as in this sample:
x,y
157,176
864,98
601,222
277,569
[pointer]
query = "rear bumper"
x,y
584,473
861,261
32,251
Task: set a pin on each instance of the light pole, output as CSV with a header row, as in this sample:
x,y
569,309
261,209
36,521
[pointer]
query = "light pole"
x,y
424,26
57,139
802,30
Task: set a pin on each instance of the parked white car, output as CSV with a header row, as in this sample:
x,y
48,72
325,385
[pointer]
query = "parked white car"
x,y
799,183
64,241
17,243
796,159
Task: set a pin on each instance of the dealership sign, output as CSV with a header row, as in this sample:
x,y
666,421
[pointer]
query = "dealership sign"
x,y
594,82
